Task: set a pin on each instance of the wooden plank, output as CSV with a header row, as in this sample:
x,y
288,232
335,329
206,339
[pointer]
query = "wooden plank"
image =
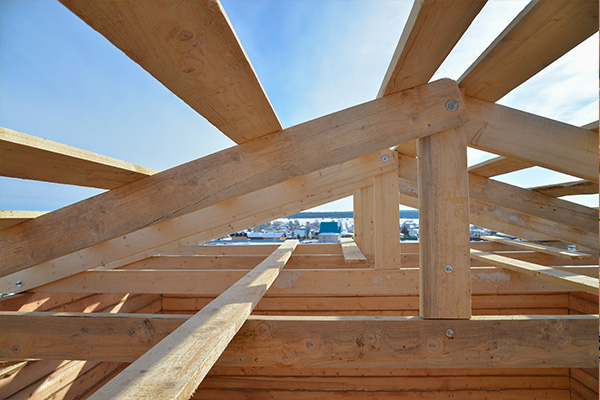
x,y
498,166
445,289
387,220
583,283
13,217
247,210
195,346
513,210
301,282
224,175
364,220
29,157
192,49
533,139
431,32
540,247
336,342
539,35
352,254
568,188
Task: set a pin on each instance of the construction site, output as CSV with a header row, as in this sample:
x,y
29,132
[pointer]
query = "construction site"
x,y
117,296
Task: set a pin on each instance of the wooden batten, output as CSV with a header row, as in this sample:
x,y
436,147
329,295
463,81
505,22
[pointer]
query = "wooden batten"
x,y
387,221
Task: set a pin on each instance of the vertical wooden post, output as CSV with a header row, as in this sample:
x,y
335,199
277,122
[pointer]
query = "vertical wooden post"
x,y
364,218
387,219
445,276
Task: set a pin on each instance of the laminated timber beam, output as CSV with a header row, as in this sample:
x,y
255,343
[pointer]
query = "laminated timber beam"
x,y
568,341
577,282
444,265
193,348
539,35
513,210
250,209
431,32
29,157
571,254
191,48
227,174
293,282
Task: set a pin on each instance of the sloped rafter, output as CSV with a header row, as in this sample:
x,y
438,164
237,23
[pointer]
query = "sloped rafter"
x,y
194,347
570,254
498,166
539,35
433,29
220,219
330,342
191,48
568,188
29,157
232,172
9,218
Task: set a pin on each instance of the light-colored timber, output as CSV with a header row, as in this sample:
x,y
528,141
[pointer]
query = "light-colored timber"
x,y
352,254
13,217
498,166
387,221
568,188
195,346
540,247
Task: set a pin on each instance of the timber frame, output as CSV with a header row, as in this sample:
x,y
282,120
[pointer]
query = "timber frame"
x,y
130,304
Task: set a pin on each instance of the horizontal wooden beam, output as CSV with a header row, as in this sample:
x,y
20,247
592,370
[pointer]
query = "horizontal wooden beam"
x,y
194,347
431,32
223,218
191,48
320,342
498,166
291,282
568,188
13,217
539,35
533,139
224,175
29,157
352,254
574,281
571,254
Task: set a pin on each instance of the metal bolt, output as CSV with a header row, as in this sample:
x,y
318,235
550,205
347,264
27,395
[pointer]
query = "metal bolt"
x,y
452,105
571,247
389,276
18,283
448,269
449,333
385,158
388,235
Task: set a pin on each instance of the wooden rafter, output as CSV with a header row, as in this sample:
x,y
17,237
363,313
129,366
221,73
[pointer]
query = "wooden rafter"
x,y
191,48
571,254
220,219
568,188
193,348
29,157
498,166
13,217
578,282
433,29
331,342
540,34
232,172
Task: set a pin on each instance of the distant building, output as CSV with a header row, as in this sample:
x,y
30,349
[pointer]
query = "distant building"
x,y
330,232
267,236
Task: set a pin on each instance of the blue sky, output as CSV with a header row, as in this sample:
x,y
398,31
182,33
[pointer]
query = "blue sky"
x,y
62,81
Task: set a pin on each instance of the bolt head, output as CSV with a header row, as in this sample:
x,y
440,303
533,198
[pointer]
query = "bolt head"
x,y
449,333
388,235
448,269
385,158
18,283
452,105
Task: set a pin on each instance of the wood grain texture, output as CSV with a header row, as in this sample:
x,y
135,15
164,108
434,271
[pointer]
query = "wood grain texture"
x,y
539,35
194,347
221,219
568,188
352,254
224,175
498,166
338,342
444,226
191,48
364,219
571,254
29,157
577,282
387,221
431,32
13,217
540,141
